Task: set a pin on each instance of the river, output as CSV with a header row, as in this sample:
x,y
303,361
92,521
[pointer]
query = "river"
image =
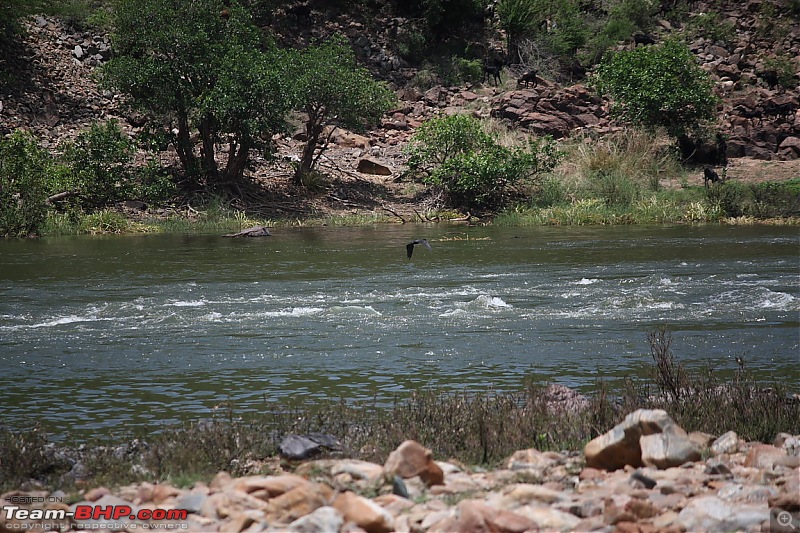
x,y
104,334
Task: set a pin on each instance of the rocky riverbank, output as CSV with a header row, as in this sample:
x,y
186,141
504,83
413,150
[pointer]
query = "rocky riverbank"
x,y
646,474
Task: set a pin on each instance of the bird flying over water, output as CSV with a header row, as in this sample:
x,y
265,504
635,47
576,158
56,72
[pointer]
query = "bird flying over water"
x,y
410,246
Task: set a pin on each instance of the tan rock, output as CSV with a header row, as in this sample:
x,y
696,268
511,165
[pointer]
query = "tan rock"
x,y
220,481
531,459
364,513
323,519
525,493
368,166
726,443
299,502
95,494
412,459
163,492
238,524
266,487
763,456
670,448
620,446
549,519
473,516
358,469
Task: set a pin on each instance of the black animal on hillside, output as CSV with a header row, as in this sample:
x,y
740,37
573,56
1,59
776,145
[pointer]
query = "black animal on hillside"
x,y
643,38
710,175
410,246
527,78
493,72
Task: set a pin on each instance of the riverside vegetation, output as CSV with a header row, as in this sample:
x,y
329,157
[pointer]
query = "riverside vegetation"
x,y
204,154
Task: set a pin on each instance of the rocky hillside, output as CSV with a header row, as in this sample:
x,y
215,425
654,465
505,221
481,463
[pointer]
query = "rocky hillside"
x,y
55,94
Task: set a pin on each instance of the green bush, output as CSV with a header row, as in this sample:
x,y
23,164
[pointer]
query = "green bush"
x,y
24,177
658,86
614,188
457,155
154,184
101,160
784,69
712,26
758,200
443,18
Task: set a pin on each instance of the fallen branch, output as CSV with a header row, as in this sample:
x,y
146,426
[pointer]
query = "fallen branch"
x,y
255,231
395,213
60,196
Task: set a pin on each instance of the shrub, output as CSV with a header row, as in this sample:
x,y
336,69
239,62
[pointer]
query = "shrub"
x,y
101,160
759,200
642,157
333,90
658,86
784,69
614,188
712,26
456,154
24,171
153,184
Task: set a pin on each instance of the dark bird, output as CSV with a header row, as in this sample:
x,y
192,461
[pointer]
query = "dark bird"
x,y
410,246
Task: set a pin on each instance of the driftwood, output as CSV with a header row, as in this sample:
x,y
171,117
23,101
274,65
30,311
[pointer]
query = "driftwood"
x,y
60,196
255,231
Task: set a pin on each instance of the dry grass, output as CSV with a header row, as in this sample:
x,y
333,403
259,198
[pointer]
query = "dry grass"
x,y
641,157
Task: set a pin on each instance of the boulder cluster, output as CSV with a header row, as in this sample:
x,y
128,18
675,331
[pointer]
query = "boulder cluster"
x,y
646,474
760,115
56,95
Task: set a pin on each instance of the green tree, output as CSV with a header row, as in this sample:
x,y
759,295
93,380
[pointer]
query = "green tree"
x,y
332,90
658,86
101,160
200,66
518,18
24,170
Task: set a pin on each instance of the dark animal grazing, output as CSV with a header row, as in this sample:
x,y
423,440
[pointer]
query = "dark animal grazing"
x,y
710,175
643,38
492,71
410,246
528,77
770,77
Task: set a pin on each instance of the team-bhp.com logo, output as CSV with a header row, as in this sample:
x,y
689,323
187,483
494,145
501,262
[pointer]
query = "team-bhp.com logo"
x,y
118,517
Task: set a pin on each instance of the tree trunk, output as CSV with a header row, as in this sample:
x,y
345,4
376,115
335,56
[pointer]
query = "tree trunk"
x,y
210,167
237,159
313,131
184,145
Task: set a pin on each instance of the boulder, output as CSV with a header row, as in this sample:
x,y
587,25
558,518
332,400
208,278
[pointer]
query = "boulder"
x,y
644,437
710,513
304,446
367,166
412,459
365,513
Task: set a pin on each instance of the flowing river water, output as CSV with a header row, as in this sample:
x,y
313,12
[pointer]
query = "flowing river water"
x,y
104,334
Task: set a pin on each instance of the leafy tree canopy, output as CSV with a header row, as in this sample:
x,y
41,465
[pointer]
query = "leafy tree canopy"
x,y
658,86
331,89
200,65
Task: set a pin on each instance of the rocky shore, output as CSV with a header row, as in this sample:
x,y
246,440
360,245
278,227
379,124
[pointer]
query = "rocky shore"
x,y
646,474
